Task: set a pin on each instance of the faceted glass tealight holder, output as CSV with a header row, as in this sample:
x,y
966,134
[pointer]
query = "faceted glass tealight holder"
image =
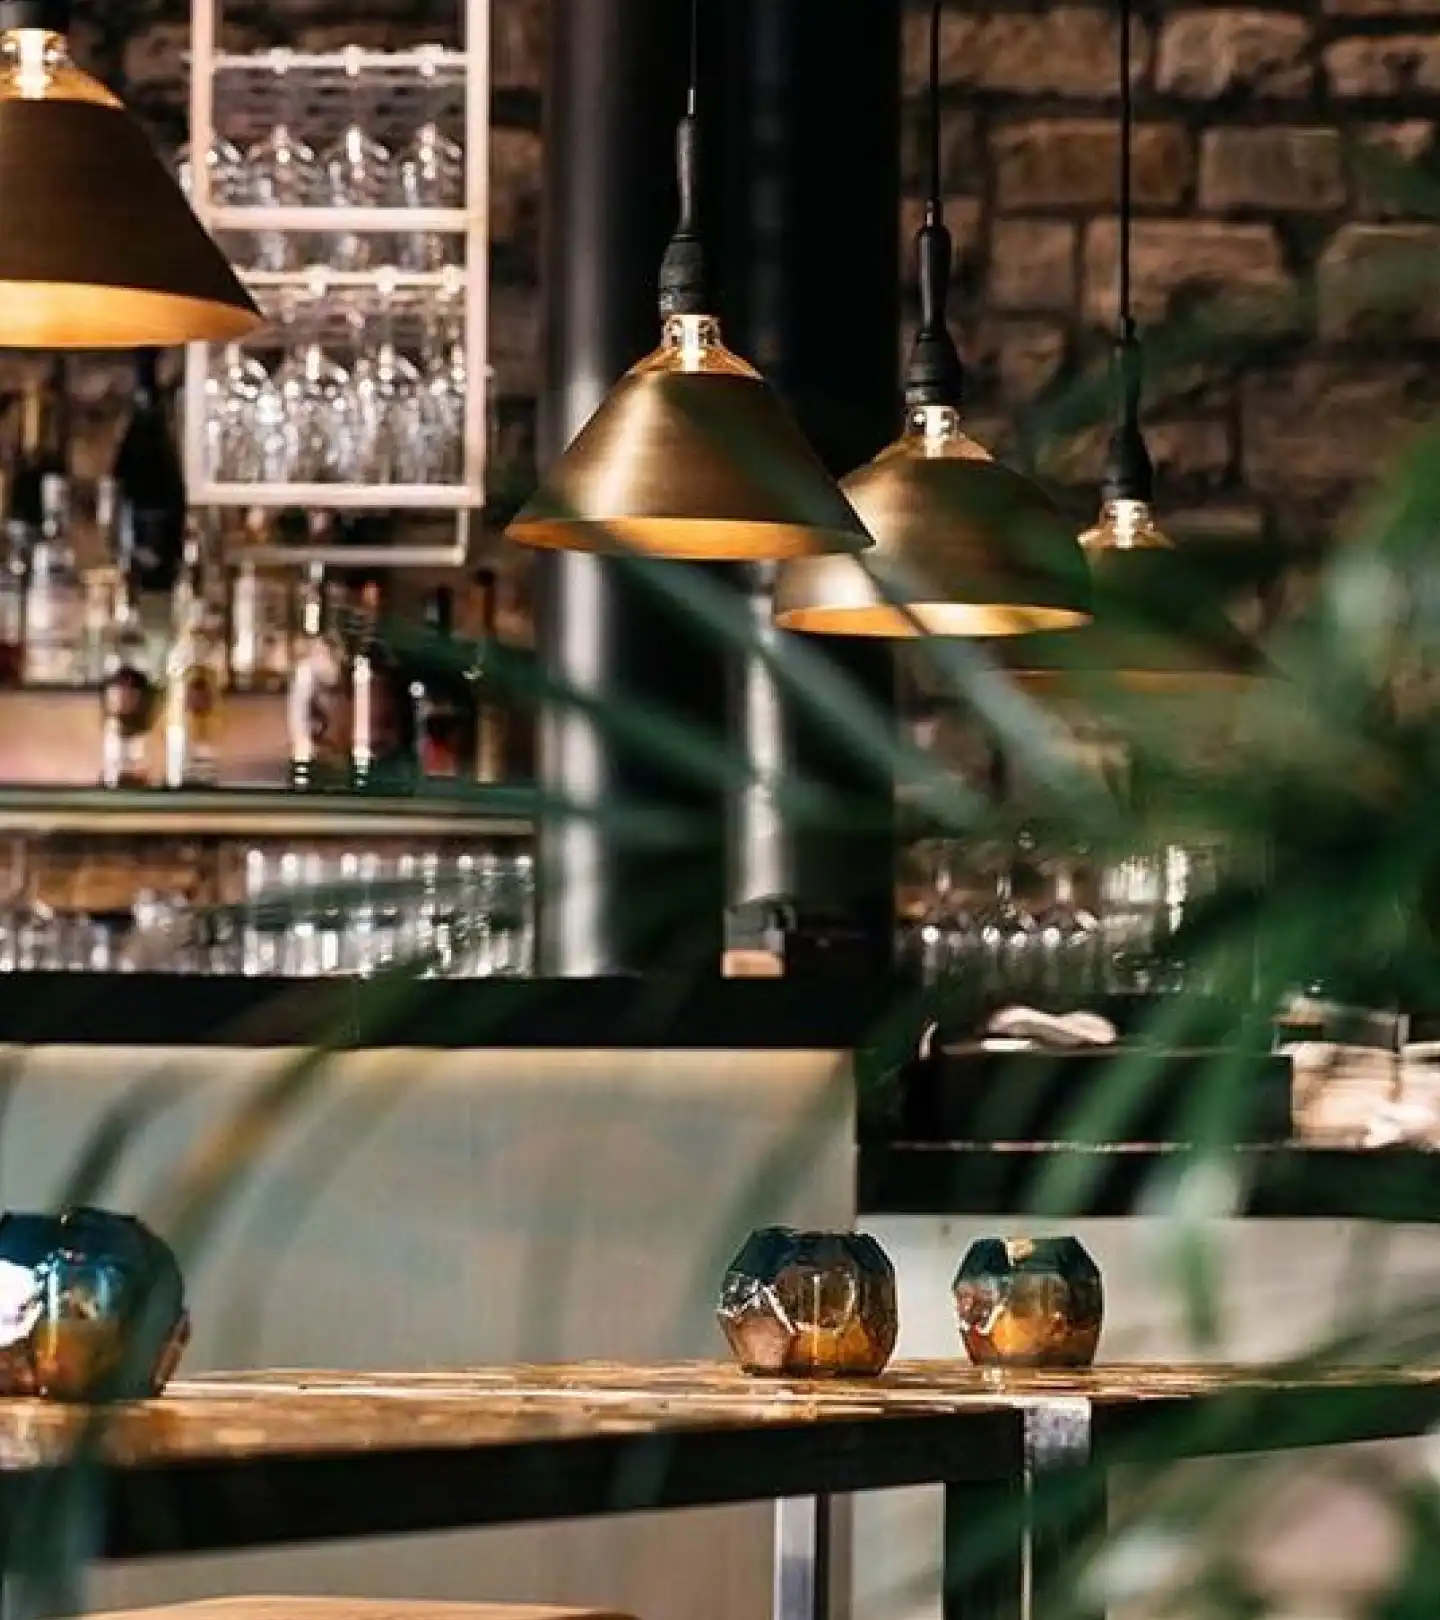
x,y
92,1307
1029,1302
810,1305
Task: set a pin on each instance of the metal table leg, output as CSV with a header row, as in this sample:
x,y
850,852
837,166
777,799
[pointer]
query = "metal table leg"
x,y
50,1535
802,1559
1012,1550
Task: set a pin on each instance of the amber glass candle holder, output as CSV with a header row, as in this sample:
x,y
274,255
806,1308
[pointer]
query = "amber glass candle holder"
x,y
1029,1302
92,1307
810,1305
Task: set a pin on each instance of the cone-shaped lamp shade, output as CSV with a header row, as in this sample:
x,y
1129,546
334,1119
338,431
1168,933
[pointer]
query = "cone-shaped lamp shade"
x,y
99,248
963,547
1157,624
691,457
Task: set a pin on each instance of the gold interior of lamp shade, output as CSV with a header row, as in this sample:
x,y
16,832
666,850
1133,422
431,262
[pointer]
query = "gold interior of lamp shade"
x,y
99,248
963,547
1158,625
691,457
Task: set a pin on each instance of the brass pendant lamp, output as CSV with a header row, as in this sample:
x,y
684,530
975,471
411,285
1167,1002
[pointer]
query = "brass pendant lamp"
x,y
691,456
98,249
1157,622
963,545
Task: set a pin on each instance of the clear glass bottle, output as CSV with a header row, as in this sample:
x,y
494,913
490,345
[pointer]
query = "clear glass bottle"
x,y
259,616
382,737
194,677
128,697
41,453
54,598
319,705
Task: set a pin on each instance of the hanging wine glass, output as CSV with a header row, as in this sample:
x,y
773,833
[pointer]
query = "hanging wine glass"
x,y
429,173
236,417
225,165
357,173
281,171
313,391
444,373
1008,935
387,395
1068,936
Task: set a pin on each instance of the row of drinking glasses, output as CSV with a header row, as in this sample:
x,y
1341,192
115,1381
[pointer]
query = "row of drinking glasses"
x,y
356,171
305,916
1020,925
366,413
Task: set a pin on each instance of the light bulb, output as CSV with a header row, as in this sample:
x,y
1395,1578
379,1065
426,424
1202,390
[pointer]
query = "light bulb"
x,y
35,65
934,432
692,344
1126,525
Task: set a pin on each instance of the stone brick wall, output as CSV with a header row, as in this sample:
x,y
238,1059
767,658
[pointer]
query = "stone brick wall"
x,y
1287,247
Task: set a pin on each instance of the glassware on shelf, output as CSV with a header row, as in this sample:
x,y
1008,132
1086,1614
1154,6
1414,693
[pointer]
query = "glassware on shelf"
x,y
444,389
225,164
313,444
244,416
429,172
390,442
281,171
356,172
366,388
259,943
1131,901
1068,937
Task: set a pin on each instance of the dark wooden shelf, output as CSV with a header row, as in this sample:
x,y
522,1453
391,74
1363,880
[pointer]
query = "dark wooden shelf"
x,y
1278,1182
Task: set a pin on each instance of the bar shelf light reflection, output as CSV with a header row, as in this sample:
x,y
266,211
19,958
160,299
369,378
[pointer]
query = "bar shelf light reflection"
x,y
299,913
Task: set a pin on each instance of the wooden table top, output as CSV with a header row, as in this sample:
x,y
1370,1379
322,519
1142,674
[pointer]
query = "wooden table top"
x,y
285,1413
256,1458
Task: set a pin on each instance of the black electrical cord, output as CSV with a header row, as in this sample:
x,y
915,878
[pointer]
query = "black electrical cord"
x,y
1129,472
693,89
683,289
934,374
934,203
1127,140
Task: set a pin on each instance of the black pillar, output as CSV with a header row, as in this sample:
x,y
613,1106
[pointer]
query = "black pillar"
x,y
632,872
803,158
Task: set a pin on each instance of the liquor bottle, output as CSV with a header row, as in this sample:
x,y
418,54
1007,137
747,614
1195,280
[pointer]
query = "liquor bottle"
x,y
54,598
128,698
13,556
319,706
194,676
382,736
443,691
151,484
492,728
41,453
259,616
